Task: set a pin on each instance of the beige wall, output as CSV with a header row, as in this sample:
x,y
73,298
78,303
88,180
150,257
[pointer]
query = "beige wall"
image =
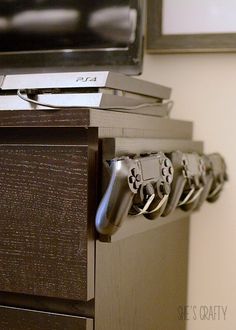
x,y
204,91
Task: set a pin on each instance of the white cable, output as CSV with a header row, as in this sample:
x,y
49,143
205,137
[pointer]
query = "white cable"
x,y
198,193
186,199
161,203
215,191
145,209
146,206
53,106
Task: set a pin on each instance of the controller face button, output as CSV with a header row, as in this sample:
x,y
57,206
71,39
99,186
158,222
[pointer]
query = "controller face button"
x,y
168,179
164,171
167,162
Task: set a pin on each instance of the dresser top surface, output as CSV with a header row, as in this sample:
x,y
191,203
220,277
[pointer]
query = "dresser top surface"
x,y
85,117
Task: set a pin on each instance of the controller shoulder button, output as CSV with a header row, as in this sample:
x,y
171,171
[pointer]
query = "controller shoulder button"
x,y
145,154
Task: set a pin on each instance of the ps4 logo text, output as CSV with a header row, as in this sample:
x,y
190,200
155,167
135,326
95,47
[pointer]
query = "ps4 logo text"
x,y
86,79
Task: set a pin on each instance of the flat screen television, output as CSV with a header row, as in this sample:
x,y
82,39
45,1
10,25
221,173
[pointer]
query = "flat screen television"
x,y
71,35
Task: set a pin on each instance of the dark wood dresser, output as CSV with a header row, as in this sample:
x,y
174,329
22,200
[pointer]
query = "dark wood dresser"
x,y
54,272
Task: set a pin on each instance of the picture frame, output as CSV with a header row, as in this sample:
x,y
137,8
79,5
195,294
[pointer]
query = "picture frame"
x,y
157,42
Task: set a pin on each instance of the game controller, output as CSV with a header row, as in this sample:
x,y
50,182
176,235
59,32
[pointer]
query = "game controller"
x,y
219,176
208,181
197,181
152,197
188,183
142,181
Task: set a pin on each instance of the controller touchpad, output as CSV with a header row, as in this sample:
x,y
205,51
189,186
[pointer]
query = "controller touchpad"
x,y
150,168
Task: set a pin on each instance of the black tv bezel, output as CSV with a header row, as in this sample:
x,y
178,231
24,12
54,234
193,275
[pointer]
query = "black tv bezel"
x,y
127,60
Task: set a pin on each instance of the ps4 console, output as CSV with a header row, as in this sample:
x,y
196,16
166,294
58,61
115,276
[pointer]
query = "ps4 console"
x,y
101,90
95,79
100,101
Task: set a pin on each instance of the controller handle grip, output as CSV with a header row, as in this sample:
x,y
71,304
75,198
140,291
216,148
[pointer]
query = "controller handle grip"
x,y
205,193
177,188
116,201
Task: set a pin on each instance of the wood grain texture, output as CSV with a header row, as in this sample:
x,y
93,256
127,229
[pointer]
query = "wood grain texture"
x,y
48,304
166,128
110,132
45,135
44,246
96,118
137,225
115,147
20,319
141,281
47,118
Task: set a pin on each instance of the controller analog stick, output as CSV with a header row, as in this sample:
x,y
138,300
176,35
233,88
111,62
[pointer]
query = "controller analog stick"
x,y
163,189
149,190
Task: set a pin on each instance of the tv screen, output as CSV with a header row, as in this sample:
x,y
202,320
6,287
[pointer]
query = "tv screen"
x,y
69,35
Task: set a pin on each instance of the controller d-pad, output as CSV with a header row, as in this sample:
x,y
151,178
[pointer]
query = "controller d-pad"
x,y
131,179
134,179
133,172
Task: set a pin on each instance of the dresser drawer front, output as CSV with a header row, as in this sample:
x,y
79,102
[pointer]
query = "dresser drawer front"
x,y
20,319
44,243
